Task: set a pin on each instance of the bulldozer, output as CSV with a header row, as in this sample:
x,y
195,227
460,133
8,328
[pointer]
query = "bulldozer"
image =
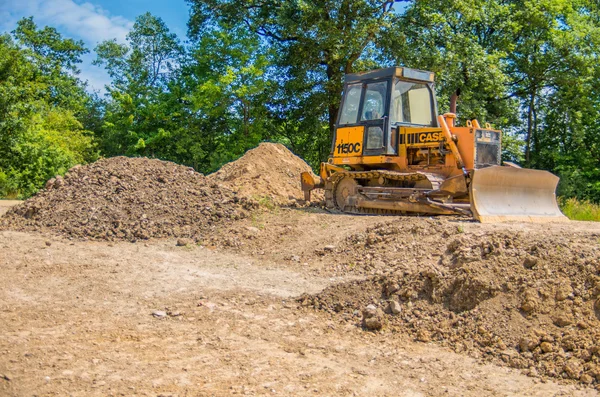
x,y
393,154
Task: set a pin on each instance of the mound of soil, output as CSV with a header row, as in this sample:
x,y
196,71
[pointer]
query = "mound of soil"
x,y
528,300
124,198
270,171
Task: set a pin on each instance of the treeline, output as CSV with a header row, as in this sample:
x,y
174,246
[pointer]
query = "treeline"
x,y
272,70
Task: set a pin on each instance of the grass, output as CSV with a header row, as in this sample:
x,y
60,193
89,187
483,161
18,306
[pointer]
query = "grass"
x,y
12,195
256,220
580,210
265,201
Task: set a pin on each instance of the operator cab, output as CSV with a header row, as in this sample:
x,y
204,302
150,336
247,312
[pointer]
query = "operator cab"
x,y
380,101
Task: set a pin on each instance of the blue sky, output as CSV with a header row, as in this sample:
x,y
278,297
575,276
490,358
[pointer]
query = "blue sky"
x,y
93,21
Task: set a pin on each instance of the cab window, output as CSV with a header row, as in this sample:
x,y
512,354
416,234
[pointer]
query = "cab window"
x,y
411,103
349,113
374,106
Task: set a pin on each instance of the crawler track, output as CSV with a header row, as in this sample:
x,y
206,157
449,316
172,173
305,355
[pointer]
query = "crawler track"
x,y
419,200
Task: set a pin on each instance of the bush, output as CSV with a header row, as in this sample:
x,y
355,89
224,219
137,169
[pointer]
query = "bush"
x,y
580,210
49,145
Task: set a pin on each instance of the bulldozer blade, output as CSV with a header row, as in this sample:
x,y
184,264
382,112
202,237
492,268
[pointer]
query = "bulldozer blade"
x,y
504,194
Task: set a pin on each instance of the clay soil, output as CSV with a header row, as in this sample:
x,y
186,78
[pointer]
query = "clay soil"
x,y
269,173
247,298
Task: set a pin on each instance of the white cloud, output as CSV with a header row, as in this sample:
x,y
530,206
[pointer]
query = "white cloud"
x,y
85,21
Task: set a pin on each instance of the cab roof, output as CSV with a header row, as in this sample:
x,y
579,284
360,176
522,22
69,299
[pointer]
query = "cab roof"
x,y
396,71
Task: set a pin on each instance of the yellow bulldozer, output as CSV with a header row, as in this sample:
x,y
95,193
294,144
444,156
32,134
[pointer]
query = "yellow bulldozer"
x,y
393,154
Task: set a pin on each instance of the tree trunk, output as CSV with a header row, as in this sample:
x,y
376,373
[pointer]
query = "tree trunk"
x,y
332,108
535,144
453,100
529,130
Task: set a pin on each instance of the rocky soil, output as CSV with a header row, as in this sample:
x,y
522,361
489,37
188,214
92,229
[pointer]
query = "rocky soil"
x,y
128,199
515,297
529,300
96,318
138,198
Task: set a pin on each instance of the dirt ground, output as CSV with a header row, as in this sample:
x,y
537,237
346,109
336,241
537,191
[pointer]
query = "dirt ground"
x,y
222,317
6,204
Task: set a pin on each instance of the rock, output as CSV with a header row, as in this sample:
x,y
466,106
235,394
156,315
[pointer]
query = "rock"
x,y
329,247
372,318
563,291
532,372
509,353
583,325
371,238
546,347
573,369
59,182
253,229
391,288
50,184
370,311
48,243
159,314
182,242
373,323
530,262
394,307
7,377
528,343
529,306
423,336
295,258
563,320
587,379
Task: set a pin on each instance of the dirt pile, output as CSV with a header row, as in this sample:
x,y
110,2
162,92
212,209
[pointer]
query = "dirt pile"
x,y
528,300
407,244
128,199
269,171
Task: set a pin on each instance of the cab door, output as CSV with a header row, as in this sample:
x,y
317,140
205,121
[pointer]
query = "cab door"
x,y
349,133
363,124
374,116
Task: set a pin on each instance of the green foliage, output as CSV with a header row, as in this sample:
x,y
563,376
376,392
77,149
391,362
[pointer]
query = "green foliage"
x,y
143,110
273,71
314,43
465,42
265,201
230,87
40,98
580,210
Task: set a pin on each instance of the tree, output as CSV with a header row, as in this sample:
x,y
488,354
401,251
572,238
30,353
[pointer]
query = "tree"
x,y
464,42
55,59
316,43
229,78
40,98
141,110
